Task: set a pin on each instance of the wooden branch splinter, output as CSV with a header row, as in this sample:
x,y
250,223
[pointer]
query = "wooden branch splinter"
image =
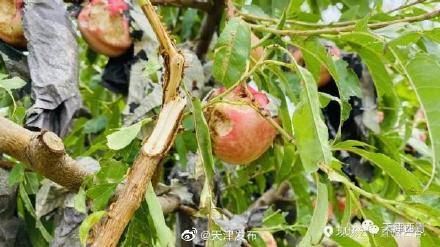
x,y
108,232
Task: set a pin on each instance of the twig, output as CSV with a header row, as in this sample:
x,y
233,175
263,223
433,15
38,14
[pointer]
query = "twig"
x,y
336,30
6,165
250,17
209,26
155,147
406,6
43,152
271,196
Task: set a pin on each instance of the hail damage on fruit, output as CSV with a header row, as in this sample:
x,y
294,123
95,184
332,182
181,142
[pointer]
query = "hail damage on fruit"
x,y
239,133
105,27
219,123
11,23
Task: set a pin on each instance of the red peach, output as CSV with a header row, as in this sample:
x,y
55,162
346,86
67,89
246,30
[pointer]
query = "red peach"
x,y
11,24
105,28
239,133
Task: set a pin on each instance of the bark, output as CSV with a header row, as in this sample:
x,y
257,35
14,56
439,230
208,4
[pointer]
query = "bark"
x,y
109,231
209,27
169,203
271,196
6,165
43,152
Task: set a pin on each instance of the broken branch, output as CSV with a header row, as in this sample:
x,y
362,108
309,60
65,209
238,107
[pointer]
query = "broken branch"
x,y
155,147
43,152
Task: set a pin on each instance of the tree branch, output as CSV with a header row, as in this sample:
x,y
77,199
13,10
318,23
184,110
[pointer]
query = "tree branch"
x,y
6,165
209,26
336,30
406,6
155,147
271,196
43,152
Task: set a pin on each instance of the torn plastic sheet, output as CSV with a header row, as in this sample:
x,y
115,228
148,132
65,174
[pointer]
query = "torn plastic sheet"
x,y
15,61
53,65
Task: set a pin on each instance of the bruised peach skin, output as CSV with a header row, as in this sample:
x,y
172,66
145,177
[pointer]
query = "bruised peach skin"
x,y
11,25
105,28
239,133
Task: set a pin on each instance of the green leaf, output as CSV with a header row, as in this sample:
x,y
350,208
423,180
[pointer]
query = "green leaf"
x,y
406,39
310,130
345,78
277,91
319,218
101,194
95,125
164,233
17,175
203,139
429,240
315,56
140,231
12,83
123,137
30,208
79,201
111,171
371,50
289,158
232,52
405,179
294,7
87,224
302,198
349,207
351,143
274,218
422,213
423,73
287,164
374,213
345,241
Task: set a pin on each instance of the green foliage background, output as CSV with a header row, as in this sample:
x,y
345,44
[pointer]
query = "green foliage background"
x,y
404,62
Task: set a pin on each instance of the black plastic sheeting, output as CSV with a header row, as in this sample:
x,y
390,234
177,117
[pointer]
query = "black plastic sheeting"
x,y
53,65
116,72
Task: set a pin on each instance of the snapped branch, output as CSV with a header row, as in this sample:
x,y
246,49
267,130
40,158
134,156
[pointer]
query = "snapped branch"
x,y
155,147
43,152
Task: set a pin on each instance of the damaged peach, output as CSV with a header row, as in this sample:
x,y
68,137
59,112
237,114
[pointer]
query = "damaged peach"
x,y
239,133
11,24
104,26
